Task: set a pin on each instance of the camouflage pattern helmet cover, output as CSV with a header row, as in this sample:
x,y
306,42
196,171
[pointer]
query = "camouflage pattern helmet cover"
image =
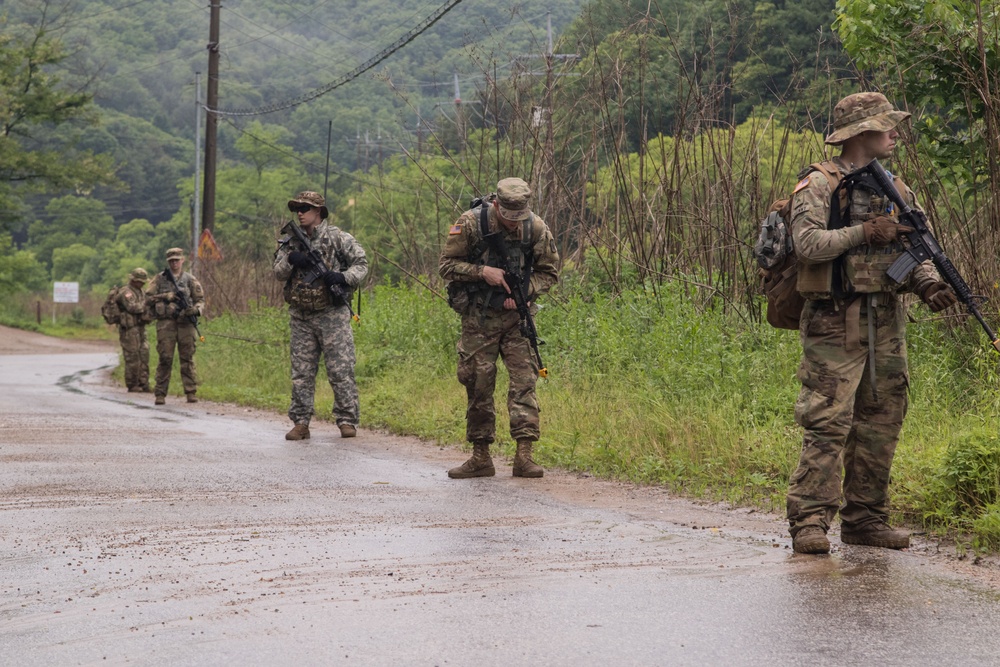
x,y
863,112
138,275
310,198
175,253
512,197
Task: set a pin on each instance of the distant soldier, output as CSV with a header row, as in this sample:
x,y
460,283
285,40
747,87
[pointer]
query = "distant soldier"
x,y
174,327
320,321
479,292
853,332
132,331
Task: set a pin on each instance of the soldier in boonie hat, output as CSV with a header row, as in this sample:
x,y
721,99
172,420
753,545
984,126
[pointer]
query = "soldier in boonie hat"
x,y
175,253
512,198
863,112
309,198
138,275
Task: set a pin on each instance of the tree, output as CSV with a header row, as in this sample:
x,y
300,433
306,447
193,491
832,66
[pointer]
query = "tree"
x,y
32,101
19,270
70,220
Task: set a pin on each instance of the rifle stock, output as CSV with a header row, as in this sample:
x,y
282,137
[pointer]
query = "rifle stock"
x,y
923,246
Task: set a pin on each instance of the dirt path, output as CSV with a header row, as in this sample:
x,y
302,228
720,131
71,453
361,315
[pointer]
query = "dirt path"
x,y
198,535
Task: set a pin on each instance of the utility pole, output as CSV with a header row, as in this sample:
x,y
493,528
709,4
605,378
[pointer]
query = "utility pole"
x,y
196,208
211,120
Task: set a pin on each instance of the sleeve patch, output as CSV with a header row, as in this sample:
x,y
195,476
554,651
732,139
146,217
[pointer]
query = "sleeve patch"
x,y
455,229
801,185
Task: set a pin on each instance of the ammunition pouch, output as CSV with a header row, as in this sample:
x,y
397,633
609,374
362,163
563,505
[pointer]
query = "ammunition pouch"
x,y
307,297
165,310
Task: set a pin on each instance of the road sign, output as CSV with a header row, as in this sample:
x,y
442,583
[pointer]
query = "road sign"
x,y
207,247
66,293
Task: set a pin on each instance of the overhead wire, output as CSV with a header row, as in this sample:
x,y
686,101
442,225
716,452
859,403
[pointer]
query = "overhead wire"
x,y
408,37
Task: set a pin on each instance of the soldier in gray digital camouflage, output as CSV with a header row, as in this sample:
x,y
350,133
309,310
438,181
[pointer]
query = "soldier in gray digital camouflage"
x,y
478,291
132,331
854,368
174,328
320,313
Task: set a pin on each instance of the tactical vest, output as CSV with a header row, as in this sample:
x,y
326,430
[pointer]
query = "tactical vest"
x,y
310,297
480,296
862,269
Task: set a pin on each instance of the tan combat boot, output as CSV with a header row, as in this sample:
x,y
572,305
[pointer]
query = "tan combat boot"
x,y
878,534
191,398
811,540
348,431
479,465
523,465
298,432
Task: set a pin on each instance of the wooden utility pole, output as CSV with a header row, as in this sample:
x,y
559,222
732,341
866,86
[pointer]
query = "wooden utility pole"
x,y
211,120
196,209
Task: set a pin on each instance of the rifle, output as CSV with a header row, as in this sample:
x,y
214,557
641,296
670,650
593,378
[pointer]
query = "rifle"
x,y
182,302
923,246
517,292
317,267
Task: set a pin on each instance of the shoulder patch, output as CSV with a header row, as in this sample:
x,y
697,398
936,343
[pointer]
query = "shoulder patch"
x,y
455,229
801,185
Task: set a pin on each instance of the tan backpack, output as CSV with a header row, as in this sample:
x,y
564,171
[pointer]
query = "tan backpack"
x,y
775,255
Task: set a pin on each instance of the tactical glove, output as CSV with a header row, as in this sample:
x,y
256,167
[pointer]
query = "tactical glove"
x,y
299,260
883,230
331,278
939,296
193,310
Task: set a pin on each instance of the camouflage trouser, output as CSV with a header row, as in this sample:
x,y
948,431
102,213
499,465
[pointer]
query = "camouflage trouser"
x,y
481,343
182,335
845,426
327,332
135,349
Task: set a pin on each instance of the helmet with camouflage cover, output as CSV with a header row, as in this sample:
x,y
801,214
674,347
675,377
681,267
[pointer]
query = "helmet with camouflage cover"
x,y
863,112
138,275
310,198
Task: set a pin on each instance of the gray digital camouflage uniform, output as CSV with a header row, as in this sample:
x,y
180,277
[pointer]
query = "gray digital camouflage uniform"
x,y
489,331
174,330
132,336
846,426
318,327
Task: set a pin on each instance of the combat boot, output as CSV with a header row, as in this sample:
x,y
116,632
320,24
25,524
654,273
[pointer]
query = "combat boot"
x,y
523,465
878,534
191,398
348,431
811,540
479,465
160,400
298,432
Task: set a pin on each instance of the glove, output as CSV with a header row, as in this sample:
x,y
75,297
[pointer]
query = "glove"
x,y
193,310
883,230
299,260
331,278
939,296
169,297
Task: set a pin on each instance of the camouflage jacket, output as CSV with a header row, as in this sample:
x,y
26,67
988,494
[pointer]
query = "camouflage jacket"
x,y
817,247
340,252
160,288
458,265
132,304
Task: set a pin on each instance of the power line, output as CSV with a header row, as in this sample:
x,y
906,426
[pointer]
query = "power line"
x,y
350,76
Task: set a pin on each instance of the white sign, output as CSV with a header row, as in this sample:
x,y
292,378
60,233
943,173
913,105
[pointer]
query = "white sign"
x,y
66,293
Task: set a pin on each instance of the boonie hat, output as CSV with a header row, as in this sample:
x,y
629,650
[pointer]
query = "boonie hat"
x,y
175,253
862,112
138,274
310,198
512,196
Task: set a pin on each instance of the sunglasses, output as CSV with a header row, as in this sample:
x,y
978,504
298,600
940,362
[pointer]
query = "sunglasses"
x,y
301,208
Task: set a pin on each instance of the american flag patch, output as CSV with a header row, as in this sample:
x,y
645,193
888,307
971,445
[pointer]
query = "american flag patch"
x,y
455,229
803,183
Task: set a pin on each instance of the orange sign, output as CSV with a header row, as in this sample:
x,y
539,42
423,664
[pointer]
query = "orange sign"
x,y
207,247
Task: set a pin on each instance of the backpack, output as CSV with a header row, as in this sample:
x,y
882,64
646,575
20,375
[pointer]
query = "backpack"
x,y
110,311
775,255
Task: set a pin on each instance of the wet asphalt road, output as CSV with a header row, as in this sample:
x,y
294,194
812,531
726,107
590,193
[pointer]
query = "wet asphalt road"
x,y
190,536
